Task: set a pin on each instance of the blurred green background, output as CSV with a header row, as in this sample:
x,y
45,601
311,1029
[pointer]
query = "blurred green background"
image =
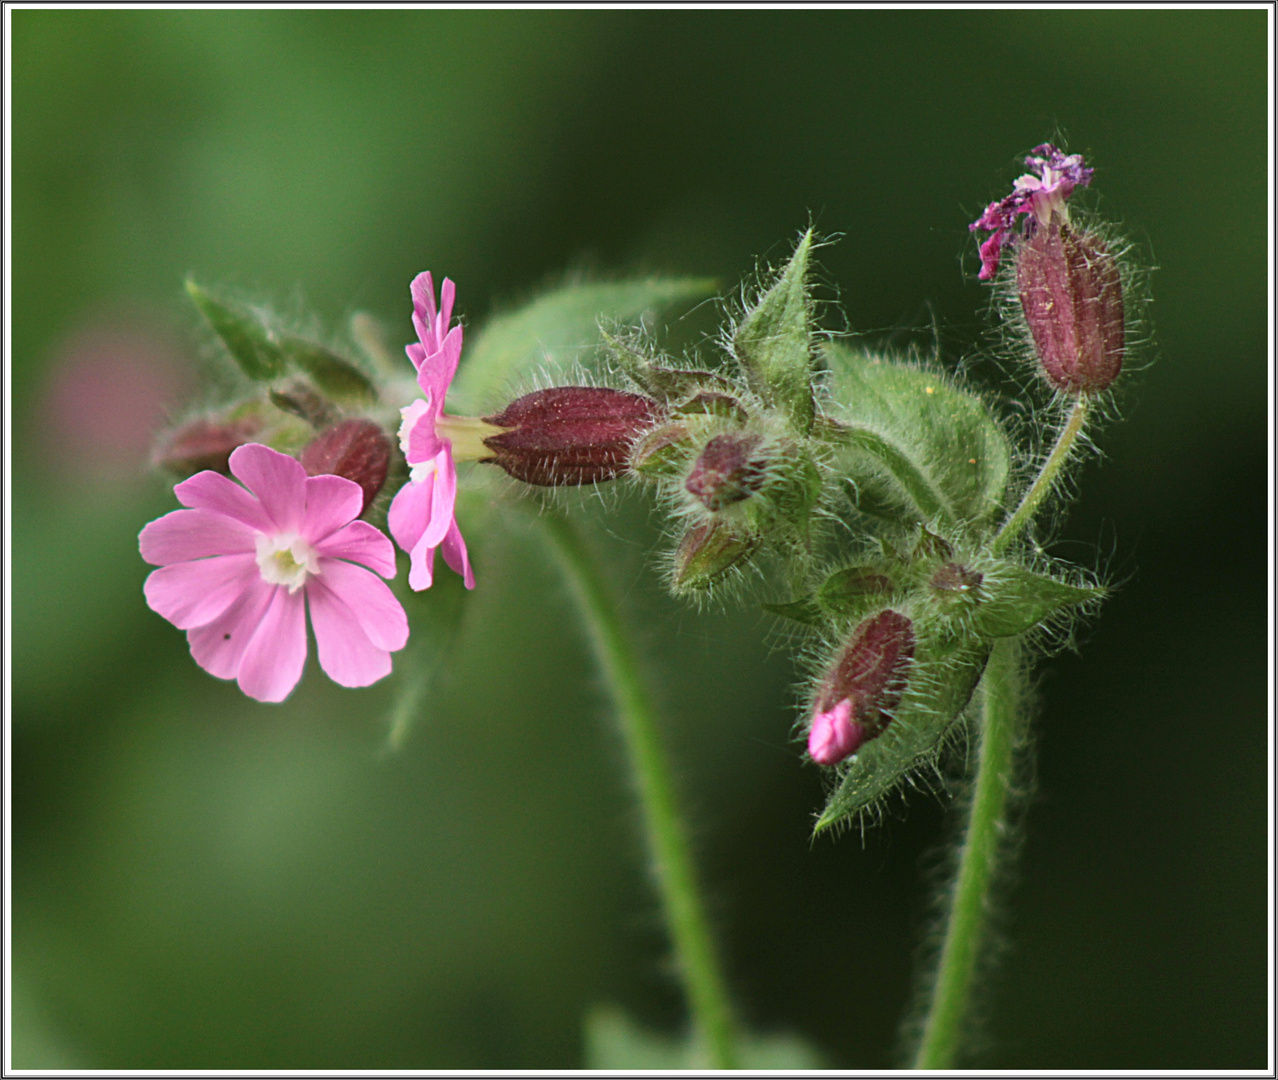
x,y
199,881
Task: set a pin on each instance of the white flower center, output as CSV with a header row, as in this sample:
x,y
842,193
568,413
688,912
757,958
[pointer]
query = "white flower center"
x,y
286,559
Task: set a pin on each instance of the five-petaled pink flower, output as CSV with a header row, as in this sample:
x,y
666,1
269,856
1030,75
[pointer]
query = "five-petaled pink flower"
x,y
1041,194
421,516
238,568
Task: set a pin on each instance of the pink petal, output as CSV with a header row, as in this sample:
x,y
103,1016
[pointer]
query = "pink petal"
x,y
416,354
443,499
423,442
213,491
219,646
410,512
194,534
437,370
274,658
421,567
346,654
424,314
331,502
447,292
360,542
375,608
193,593
278,480
454,549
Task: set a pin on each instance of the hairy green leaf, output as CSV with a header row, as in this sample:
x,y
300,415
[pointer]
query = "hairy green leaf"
x,y
245,338
1015,599
334,375
773,343
915,447
555,330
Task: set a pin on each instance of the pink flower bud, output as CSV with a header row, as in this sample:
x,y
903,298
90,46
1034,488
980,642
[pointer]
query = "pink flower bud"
x,y
359,450
861,690
727,471
1072,296
569,434
956,578
205,443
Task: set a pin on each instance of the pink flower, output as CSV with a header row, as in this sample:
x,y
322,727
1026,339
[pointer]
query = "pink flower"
x,y
237,569
421,516
1041,193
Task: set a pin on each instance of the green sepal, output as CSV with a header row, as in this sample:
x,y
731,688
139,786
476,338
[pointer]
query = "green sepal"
x,y
245,338
805,610
553,332
914,447
773,343
1014,600
666,384
943,675
713,403
856,588
335,376
301,401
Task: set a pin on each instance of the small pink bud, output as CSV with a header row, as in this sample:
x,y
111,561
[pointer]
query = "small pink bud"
x,y
359,450
727,471
569,434
1072,296
861,690
205,443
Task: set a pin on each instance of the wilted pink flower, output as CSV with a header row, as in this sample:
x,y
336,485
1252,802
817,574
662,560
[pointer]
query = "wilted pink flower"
x,y
1041,193
238,568
421,516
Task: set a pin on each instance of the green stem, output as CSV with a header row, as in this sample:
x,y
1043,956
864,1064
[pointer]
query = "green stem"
x,y
667,844
1038,491
978,860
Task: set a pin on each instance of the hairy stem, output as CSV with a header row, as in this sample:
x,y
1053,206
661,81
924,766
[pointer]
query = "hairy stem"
x,y
667,843
978,860
1047,476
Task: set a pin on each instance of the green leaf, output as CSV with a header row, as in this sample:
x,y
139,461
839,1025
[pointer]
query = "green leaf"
x,y
773,341
555,330
335,376
614,1042
915,447
1014,599
244,336
805,610
945,671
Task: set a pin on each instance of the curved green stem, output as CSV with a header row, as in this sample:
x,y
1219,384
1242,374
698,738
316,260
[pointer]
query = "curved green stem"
x,y
978,860
1038,491
667,843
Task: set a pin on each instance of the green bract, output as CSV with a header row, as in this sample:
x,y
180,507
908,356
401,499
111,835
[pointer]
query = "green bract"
x,y
773,342
913,446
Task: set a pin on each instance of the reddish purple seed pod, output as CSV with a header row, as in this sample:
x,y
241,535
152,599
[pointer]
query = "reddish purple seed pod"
x,y
862,689
205,443
569,434
726,471
359,450
1072,296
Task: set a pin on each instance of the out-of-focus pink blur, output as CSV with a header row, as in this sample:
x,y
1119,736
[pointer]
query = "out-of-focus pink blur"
x,y
110,389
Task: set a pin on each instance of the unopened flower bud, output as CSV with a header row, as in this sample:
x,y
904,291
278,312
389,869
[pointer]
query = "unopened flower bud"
x,y
356,449
707,552
1072,297
862,689
568,434
205,443
727,471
